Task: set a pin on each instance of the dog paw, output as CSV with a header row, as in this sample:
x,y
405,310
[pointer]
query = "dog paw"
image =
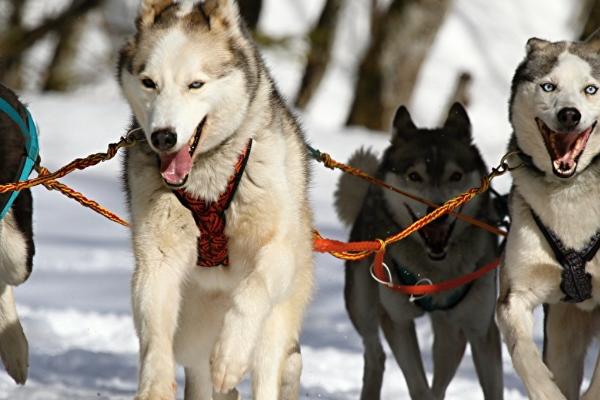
x,y
229,363
158,392
14,351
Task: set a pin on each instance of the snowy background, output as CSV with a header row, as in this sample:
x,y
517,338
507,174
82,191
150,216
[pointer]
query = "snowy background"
x,y
76,310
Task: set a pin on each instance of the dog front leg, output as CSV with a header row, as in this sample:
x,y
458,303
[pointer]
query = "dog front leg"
x,y
515,315
252,302
156,300
164,251
15,259
14,348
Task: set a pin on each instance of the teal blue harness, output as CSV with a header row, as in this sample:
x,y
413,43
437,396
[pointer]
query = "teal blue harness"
x,y
29,130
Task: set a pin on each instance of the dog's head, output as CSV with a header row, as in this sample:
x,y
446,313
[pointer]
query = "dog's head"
x,y
555,105
436,165
189,77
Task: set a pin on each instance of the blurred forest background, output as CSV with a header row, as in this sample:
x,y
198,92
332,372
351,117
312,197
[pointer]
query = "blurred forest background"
x,y
401,35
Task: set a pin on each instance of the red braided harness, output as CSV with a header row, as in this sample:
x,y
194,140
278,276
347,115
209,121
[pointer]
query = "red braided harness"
x,y
210,217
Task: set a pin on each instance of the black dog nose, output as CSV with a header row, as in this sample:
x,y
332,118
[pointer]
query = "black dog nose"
x,y
164,139
441,220
569,117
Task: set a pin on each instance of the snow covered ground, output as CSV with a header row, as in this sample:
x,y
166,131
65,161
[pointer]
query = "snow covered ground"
x,y
76,310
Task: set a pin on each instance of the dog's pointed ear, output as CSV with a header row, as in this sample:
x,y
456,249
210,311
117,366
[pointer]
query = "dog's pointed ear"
x,y
403,124
403,120
536,44
150,10
223,12
458,121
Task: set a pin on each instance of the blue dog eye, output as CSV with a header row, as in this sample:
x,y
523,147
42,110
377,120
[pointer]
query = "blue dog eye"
x,y
591,90
548,87
196,85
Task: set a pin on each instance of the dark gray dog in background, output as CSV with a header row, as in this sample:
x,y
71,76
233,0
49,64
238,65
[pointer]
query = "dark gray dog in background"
x,y
437,165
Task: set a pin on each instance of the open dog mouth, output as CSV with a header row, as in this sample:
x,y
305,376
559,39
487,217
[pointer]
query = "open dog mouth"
x,y
436,236
564,149
175,168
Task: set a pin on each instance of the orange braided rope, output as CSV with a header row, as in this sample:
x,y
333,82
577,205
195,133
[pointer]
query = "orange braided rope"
x,y
330,163
49,180
80,198
347,251
78,164
362,250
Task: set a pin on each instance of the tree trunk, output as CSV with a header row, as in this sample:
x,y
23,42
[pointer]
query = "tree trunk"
x,y
10,72
590,18
16,15
321,38
17,39
250,10
60,74
402,37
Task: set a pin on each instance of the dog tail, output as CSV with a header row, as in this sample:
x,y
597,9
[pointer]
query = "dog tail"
x,y
351,191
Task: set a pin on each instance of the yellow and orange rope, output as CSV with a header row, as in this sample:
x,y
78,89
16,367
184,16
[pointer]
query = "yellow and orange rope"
x,y
345,251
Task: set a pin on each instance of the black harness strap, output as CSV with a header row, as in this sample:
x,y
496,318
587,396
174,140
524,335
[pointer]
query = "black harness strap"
x,y
576,282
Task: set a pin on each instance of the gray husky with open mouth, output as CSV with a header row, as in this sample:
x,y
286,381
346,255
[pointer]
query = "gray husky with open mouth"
x,y
437,164
551,253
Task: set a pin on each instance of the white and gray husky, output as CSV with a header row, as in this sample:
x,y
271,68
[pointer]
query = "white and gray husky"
x,y
555,209
222,230
436,164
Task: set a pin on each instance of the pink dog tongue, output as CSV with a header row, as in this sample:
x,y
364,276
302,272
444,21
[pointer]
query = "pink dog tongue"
x,y
174,168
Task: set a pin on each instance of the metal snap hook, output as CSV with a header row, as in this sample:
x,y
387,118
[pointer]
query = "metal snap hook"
x,y
422,282
506,165
390,282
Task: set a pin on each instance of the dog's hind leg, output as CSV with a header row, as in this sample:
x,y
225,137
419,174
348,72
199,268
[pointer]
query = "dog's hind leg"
x,y
277,361
567,336
362,304
13,343
402,338
290,376
197,383
448,349
232,395
593,391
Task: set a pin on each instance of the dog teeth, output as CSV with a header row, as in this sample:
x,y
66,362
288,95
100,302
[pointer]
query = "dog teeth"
x,y
558,165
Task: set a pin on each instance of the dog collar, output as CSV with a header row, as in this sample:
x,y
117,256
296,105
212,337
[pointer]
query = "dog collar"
x,y
528,162
29,131
576,283
210,217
